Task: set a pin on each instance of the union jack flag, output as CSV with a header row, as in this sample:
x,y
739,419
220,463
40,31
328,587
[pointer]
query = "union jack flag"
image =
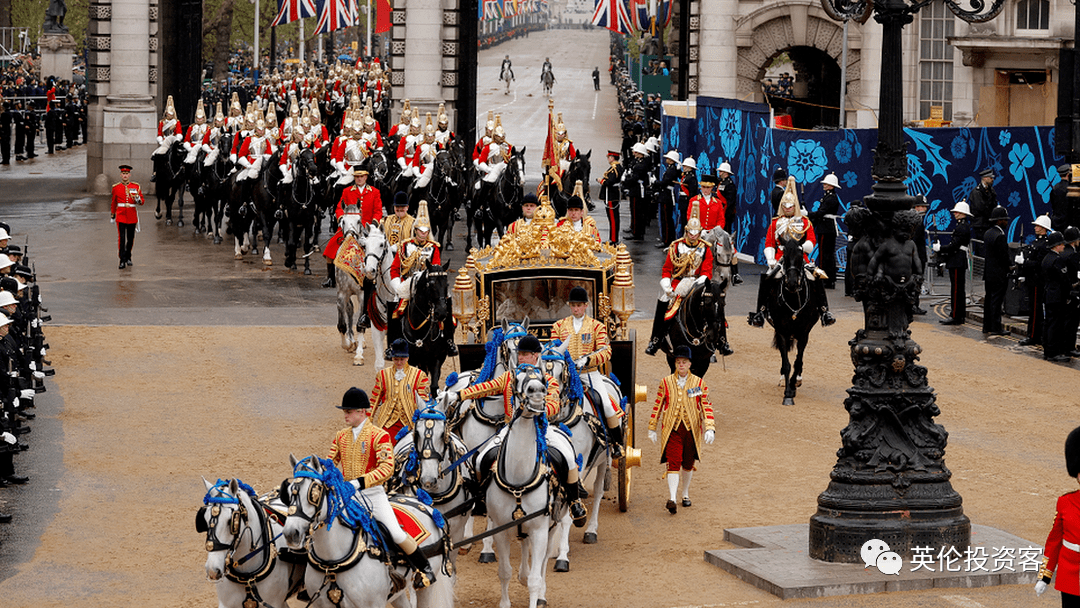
x,y
336,14
291,10
612,15
639,12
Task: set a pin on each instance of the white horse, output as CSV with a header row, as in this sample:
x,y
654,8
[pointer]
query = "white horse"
x,y
350,295
344,563
377,262
477,421
422,459
578,416
521,487
240,551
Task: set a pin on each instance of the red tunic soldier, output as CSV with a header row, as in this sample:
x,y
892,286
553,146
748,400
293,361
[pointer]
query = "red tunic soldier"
x,y
1062,551
361,196
126,194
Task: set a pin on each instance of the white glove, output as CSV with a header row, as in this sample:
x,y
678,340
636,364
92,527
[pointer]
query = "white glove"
x,y
665,284
451,398
710,436
484,167
652,436
1040,587
770,255
581,361
8,438
355,484
684,287
26,393
1019,259
160,140
112,220
38,375
937,246
401,163
33,364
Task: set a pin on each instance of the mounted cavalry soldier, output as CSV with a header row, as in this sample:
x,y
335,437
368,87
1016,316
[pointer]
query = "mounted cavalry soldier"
x,y
685,417
370,139
480,149
793,224
212,139
291,150
563,148
196,134
443,134
496,158
169,129
411,259
407,146
291,121
365,455
576,219
235,122
316,135
528,353
591,350
396,391
423,161
402,127
369,202
688,259
254,151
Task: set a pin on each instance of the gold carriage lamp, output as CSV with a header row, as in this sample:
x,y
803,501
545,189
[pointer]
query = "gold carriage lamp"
x,y
622,297
464,299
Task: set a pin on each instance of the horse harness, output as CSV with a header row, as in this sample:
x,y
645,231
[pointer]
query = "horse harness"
x,y
268,551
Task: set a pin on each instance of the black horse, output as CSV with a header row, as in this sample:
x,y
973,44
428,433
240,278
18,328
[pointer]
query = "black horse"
x,y
301,208
169,181
793,308
699,324
579,170
443,195
494,206
427,325
217,187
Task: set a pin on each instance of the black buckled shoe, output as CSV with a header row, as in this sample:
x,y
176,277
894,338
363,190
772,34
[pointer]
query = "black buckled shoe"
x,y
672,507
654,345
827,319
725,348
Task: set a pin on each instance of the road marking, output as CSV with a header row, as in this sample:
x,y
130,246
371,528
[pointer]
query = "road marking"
x,y
962,601
595,102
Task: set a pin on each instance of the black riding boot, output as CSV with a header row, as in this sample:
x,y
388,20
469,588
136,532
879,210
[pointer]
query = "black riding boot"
x,y
451,349
615,441
827,317
578,513
658,327
364,322
723,347
424,576
757,317
330,280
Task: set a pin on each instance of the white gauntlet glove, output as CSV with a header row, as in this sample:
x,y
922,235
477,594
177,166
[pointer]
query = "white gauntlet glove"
x,y
27,393
1040,587
684,287
580,362
1019,259
451,398
710,436
8,438
937,246
652,436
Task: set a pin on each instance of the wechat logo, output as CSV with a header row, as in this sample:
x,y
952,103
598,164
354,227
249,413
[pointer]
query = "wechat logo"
x,y
876,553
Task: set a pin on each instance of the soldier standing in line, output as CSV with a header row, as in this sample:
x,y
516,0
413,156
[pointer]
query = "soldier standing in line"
x,y
956,262
126,195
685,417
1030,261
31,123
1058,283
610,193
5,132
667,192
636,179
982,201
996,272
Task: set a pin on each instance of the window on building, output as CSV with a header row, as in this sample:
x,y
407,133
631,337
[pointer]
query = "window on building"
x,y
1033,15
936,24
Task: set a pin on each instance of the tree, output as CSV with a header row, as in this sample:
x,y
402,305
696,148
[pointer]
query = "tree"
x,y
221,28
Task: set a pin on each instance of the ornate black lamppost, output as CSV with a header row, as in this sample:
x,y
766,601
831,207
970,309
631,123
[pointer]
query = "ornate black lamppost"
x,y
890,481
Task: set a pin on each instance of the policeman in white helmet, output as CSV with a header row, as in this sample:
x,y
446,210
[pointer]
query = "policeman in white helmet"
x,y
1030,262
955,255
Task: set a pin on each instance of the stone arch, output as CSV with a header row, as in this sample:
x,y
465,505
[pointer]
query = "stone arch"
x,y
779,26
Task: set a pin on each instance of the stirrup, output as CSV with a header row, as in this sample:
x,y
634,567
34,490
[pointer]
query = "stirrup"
x,y
827,318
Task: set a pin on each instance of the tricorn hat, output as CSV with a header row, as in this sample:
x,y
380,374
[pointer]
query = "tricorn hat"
x,y
355,399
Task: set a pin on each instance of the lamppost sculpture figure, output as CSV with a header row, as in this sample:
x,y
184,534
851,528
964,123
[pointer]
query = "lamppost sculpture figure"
x,y
890,481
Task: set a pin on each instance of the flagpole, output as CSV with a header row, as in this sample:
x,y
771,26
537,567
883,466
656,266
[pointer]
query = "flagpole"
x,y
301,40
255,65
368,21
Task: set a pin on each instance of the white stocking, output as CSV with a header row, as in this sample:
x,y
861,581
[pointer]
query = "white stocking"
x,y
686,475
672,484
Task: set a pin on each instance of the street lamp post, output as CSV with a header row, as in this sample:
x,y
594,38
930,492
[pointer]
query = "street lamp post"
x,y
890,481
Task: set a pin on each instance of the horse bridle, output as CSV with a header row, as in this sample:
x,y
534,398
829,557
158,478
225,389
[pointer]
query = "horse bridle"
x,y
315,495
432,328
213,543
696,338
802,291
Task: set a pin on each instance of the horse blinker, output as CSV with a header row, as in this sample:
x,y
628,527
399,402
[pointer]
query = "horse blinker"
x,y
200,521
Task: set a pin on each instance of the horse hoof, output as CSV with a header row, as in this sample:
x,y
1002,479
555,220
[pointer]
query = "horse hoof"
x,y
562,565
543,603
449,246
798,382
358,363
238,256
268,262
590,538
179,223
487,558
217,240
157,215
464,550
789,401
168,222
307,272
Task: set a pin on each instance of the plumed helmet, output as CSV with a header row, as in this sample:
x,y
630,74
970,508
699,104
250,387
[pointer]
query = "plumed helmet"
x,y
529,344
790,199
693,225
414,126
443,119
200,115
489,126
219,116
429,128
355,399
423,220
406,112
170,109
560,127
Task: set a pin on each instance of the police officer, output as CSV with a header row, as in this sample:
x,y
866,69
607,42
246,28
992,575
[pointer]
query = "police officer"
x,y
956,262
824,220
982,201
1030,261
779,178
726,188
995,272
635,181
1056,344
667,191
